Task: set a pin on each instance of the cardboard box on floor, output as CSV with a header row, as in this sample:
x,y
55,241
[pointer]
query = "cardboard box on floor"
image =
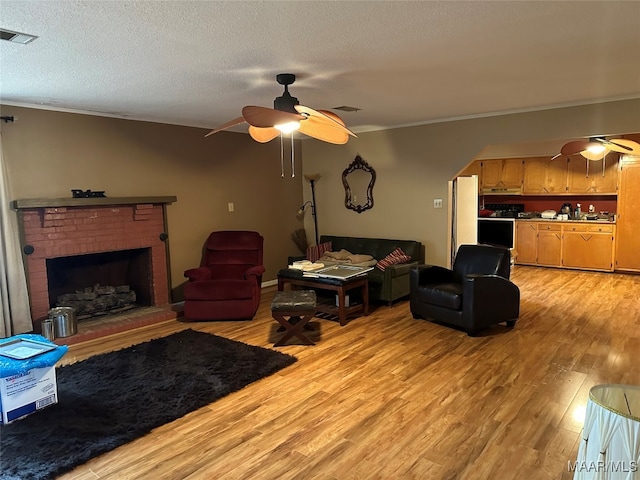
x,y
25,393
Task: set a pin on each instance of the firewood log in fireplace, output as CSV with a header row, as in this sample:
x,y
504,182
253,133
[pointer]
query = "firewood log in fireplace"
x,y
98,300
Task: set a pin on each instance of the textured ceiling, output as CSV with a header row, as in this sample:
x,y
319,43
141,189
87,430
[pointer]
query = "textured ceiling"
x,y
198,63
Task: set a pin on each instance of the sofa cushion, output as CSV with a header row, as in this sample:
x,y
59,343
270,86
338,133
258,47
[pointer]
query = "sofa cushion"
x,y
394,258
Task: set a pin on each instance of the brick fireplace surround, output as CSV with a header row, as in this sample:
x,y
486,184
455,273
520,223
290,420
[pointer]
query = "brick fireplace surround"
x,y
53,228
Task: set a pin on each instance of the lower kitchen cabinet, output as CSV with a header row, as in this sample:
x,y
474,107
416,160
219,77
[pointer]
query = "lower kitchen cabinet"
x,y
588,246
550,245
526,245
566,245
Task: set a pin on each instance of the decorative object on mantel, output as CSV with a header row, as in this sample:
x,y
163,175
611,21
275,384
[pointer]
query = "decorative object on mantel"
x,y
358,180
76,193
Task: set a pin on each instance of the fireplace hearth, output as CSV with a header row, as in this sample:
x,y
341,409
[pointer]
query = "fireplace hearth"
x,y
71,244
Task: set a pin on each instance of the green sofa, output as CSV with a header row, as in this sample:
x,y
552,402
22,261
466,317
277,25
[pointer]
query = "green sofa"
x,y
393,283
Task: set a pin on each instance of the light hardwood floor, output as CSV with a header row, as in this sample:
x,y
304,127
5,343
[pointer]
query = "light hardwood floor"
x,y
390,397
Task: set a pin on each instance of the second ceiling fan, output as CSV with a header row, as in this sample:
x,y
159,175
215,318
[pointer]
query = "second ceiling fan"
x,y
287,115
597,147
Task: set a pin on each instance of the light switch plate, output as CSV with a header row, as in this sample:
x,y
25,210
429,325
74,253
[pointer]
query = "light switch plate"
x,y
437,203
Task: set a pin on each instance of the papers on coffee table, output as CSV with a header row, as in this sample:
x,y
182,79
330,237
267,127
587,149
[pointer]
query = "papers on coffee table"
x,y
306,265
340,272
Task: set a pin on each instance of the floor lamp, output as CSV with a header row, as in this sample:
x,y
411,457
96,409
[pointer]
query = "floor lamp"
x,y
312,179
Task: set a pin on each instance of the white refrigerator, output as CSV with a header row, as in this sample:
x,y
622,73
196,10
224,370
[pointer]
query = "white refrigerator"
x,y
463,214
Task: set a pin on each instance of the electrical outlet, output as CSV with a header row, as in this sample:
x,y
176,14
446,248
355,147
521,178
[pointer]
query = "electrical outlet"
x,y
230,204
437,203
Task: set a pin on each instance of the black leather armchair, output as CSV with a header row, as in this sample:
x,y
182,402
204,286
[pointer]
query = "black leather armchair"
x,y
475,294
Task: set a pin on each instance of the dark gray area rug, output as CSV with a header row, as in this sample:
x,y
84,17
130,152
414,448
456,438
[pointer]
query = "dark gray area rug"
x,y
114,398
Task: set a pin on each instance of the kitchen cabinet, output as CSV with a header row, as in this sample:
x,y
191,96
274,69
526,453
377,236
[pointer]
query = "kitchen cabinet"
x,y
596,181
502,175
583,245
526,245
543,176
628,222
549,245
588,246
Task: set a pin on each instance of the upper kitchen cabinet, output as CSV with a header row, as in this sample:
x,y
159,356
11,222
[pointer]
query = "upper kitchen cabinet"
x,y
502,176
543,176
593,176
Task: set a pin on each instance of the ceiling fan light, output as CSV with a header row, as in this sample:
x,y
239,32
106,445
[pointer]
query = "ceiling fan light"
x,y
288,127
596,149
595,152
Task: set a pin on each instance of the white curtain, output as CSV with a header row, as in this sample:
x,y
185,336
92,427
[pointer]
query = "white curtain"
x,y
15,316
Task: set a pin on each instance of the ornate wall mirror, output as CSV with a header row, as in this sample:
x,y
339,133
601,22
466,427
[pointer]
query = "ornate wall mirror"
x,y
358,179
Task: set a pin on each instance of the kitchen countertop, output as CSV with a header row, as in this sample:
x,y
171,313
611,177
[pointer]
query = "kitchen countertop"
x,y
555,220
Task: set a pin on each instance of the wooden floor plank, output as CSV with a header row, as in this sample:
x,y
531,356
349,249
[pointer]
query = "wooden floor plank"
x,y
390,397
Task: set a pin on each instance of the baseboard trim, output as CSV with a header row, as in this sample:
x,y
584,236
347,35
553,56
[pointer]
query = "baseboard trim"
x,y
269,283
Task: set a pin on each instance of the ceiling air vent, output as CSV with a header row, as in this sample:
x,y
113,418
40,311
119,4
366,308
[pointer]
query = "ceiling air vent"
x,y
16,37
346,108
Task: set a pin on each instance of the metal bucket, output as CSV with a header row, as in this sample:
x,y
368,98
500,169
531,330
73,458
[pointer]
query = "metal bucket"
x,y
64,321
48,331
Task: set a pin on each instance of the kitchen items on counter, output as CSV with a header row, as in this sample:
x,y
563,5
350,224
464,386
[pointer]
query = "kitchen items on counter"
x,y
566,209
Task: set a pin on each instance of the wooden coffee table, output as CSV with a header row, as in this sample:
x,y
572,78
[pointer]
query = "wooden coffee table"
x,y
296,280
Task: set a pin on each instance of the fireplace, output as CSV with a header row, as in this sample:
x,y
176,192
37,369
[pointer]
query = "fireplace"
x,y
73,243
70,279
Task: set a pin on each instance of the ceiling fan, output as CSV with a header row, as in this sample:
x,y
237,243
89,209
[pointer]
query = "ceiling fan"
x,y
286,116
597,147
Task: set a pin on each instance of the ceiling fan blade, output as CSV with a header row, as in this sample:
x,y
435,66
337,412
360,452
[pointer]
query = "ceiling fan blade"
x,y
622,145
324,116
321,130
577,146
263,135
263,117
231,123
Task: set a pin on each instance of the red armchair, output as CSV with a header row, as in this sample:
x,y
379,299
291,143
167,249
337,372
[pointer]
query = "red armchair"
x,y
227,284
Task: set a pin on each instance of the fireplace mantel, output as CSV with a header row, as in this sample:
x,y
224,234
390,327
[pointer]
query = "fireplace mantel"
x,y
87,202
